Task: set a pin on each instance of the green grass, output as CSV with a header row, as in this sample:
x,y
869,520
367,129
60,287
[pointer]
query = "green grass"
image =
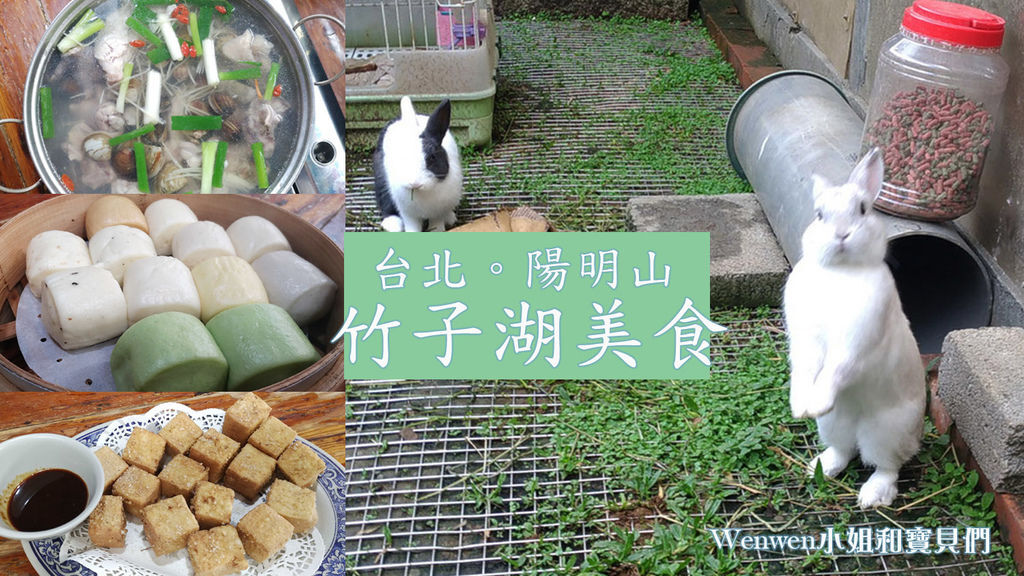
x,y
697,455
703,453
667,131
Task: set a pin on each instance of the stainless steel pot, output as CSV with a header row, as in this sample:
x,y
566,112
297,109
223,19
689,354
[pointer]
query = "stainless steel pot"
x,y
287,49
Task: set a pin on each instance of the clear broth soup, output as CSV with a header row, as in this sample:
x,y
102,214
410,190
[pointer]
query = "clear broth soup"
x,y
85,83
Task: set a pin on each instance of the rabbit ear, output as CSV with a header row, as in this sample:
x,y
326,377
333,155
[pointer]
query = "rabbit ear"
x,y
408,112
438,122
868,173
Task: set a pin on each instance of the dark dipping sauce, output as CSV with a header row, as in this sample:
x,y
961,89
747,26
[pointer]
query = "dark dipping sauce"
x,y
46,500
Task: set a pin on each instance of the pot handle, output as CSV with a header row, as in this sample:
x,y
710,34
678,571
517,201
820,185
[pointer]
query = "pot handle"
x,y
332,19
17,190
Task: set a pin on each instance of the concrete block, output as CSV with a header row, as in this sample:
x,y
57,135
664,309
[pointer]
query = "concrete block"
x,y
980,384
748,267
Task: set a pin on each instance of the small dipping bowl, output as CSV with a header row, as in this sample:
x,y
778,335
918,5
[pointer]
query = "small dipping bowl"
x,y
23,456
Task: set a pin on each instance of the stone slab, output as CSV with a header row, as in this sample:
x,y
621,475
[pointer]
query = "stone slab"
x,y
980,385
748,268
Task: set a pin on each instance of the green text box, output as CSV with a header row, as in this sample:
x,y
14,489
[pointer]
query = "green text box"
x,y
527,306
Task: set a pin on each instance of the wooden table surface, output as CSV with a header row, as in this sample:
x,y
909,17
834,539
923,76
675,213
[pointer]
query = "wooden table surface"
x,y
22,25
317,417
325,211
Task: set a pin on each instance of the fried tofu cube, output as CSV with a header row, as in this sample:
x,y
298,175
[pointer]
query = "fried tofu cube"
x,y
214,450
107,523
294,504
168,524
181,475
245,416
263,532
113,466
180,433
272,437
144,449
138,488
300,464
217,552
211,504
249,472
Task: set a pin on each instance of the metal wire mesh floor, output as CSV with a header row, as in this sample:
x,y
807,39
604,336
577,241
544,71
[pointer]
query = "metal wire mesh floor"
x,y
445,476
573,104
426,458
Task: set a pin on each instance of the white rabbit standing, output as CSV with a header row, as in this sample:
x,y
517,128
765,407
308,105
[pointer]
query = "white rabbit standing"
x,y
855,363
417,171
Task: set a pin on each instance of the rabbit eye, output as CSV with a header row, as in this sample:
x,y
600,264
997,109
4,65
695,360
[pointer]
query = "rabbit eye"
x,y
819,215
863,208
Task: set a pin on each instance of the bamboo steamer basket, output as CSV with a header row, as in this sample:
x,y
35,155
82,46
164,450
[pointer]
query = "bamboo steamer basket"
x,y
67,212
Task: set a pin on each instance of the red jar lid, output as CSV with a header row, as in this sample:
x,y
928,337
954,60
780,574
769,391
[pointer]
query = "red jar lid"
x,y
954,23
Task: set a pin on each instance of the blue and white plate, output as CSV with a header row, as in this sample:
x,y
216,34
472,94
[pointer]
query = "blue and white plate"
x,y
330,498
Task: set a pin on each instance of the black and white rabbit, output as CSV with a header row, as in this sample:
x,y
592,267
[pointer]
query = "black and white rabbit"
x,y
417,171
855,363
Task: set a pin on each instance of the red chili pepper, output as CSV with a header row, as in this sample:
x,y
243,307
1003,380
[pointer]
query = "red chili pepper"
x,y
184,48
221,9
192,52
180,13
137,43
66,180
277,90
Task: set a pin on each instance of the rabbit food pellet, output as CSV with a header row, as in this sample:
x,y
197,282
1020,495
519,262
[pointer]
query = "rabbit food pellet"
x,y
934,142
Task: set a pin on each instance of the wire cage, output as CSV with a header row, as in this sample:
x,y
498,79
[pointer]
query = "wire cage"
x,y
418,25
429,50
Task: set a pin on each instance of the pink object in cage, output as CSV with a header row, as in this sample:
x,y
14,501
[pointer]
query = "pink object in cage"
x,y
445,27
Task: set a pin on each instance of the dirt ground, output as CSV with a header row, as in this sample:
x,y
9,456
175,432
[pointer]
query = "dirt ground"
x,y
659,9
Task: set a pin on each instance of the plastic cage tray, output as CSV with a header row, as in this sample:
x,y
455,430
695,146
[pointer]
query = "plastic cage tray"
x,y
428,51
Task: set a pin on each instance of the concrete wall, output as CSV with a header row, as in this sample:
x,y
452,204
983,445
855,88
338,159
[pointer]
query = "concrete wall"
x,y
829,24
997,224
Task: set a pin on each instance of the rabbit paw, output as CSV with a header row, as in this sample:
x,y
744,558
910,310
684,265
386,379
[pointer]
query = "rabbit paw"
x,y
391,224
812,403
796,405
449,218
819,402
832,462
879,490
